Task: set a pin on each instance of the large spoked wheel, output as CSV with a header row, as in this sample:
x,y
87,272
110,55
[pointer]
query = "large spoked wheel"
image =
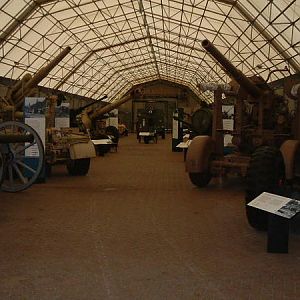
x,y
266,173
78,167
23,157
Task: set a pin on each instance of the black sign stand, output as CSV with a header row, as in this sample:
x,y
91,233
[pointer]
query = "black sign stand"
x,y
278,234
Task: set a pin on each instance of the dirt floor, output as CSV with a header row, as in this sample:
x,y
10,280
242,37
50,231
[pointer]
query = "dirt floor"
x,y
136,228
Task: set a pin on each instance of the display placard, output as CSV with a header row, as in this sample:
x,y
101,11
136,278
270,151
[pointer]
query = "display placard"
x,y
275,204
34,112
228,122
175,126
62,115
34,116
112,120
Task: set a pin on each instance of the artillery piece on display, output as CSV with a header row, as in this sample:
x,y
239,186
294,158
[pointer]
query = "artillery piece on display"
x,y
264,149
92,121
18,172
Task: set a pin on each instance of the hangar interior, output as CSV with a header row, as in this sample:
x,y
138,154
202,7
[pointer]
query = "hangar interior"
x,y
136,227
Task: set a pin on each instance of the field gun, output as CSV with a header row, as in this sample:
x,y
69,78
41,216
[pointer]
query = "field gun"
x,y
264,151
25,87
261,116
64,145
83,118
21,149
91,120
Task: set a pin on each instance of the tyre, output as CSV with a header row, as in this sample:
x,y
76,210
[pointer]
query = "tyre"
x,y
202,121
146,139
266,173
200,179
78,167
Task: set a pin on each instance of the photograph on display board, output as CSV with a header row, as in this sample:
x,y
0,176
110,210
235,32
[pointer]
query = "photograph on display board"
x,y
34,107
62,115
63,110
290,209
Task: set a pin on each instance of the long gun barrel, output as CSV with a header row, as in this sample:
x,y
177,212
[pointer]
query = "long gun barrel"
x,y
107,108
80,109
233,72
21,90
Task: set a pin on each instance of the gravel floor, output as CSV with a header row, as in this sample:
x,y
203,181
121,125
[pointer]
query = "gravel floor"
x,y
136,228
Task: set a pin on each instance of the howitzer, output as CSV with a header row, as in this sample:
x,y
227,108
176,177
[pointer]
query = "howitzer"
x,y
107,108
261,150
246,83
256,96
86,118
25,86
79,110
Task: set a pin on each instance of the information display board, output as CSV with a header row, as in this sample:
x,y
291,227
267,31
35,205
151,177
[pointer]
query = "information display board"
x,y
62,115
278,205
34,116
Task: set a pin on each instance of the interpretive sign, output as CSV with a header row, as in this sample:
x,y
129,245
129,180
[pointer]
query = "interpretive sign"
x,y
62,115
278,205
34,112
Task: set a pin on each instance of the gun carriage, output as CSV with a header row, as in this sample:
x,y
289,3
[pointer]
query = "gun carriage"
x,y
71,148
92,121
264,149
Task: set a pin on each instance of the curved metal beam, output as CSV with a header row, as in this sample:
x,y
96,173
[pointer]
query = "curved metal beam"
x,y
21,18
263,32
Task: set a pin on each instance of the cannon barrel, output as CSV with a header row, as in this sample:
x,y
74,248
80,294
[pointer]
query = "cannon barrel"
x,y
16,138
80,109
233,72
22,90
107,108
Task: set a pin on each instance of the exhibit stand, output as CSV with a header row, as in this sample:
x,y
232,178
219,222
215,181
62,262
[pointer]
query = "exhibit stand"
x,y
281,210
34,116
177,129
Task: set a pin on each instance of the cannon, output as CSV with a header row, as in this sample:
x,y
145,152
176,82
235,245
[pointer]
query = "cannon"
x,y
11,104
25,87
21,149
92,121
263,148
87,117
62,145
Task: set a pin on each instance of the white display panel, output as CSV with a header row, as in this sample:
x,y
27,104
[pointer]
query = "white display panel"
x,y
278,205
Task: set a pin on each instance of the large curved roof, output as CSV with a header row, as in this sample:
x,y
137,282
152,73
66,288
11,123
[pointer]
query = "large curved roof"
x,y
117,44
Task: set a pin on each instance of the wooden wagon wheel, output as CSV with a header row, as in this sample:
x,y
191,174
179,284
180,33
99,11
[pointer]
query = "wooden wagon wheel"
x,y
22,156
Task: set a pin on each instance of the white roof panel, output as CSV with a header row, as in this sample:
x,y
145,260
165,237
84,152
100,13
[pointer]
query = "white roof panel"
x,y
120,43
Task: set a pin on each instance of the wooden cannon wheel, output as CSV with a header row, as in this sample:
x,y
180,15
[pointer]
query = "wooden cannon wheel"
x,y
22,156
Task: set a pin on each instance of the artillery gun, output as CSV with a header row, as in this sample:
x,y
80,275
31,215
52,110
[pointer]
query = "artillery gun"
x,y
92,120
64,145
264,149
